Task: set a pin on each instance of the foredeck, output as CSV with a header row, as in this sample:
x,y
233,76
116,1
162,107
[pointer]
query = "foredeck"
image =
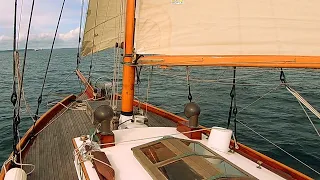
x,y
52,151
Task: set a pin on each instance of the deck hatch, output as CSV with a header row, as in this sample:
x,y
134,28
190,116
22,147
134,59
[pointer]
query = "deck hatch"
x,y
157,152
173,158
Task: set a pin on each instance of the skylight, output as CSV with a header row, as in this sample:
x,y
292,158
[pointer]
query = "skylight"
x,y
172,158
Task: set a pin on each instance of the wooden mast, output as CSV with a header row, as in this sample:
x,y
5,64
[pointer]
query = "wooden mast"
x,y
128,71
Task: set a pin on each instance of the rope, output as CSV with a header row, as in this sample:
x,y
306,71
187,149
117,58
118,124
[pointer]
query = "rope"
x,y
301,101
279,147
117,57
237,78
21,10
65,79
79,38
11,158
14,84
47,68
153,137
261,97
34,167
100,161
20,148
16,120
216,81
233,106
148,88
314,127
235,109
138,94
204,92
188,83
67,107
114,80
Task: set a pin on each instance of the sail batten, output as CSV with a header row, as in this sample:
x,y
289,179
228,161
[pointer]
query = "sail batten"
x,y
229,27
104,25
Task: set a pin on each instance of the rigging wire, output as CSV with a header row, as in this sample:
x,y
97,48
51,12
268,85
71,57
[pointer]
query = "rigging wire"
x,y
278,147
219,80
283,81
261,97
148,88
80,30
138,74
17,117
117,58
18,38
14,90
188,83
64,80
114,80
301,101
314,127
204,92
49,60
232,95
233,105
27,106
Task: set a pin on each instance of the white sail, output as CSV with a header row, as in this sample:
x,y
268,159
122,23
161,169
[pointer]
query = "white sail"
x,y
228,27
104,25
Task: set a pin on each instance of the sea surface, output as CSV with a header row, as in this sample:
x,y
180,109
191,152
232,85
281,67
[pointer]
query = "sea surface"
x,y
276,116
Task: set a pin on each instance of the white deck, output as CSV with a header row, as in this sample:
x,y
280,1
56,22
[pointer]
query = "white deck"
x,y
126,166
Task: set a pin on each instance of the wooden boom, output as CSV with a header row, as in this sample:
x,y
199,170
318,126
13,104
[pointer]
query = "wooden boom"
x,y
311,62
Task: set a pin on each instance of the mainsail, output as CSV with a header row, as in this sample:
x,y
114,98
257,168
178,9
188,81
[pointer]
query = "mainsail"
x,y
228,27
104,25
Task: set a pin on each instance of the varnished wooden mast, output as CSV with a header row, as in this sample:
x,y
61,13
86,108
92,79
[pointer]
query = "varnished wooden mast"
x,y
128,71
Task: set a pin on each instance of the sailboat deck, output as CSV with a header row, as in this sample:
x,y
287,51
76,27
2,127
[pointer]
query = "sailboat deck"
x,y
52,151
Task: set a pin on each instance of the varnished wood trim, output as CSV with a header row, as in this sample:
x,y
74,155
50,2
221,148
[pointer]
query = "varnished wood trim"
x,y
311,62
271,164
80,159
89,88
40,124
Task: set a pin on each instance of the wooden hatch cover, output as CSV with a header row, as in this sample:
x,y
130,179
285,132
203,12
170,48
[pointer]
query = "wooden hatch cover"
x,y
173,158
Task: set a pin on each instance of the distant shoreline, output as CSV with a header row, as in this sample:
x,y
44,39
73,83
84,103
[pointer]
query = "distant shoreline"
x,y
32,49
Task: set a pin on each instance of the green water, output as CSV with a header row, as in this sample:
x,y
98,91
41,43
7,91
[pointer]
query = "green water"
x,y
277,116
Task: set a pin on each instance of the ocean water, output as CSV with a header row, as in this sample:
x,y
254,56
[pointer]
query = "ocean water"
x,y
277,116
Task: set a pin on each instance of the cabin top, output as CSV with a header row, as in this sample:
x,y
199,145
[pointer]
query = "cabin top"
x,y
164,153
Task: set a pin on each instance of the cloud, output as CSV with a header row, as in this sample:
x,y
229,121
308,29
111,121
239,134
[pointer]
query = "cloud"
x,y
71,35
45,17
5,38
5,42
43,40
